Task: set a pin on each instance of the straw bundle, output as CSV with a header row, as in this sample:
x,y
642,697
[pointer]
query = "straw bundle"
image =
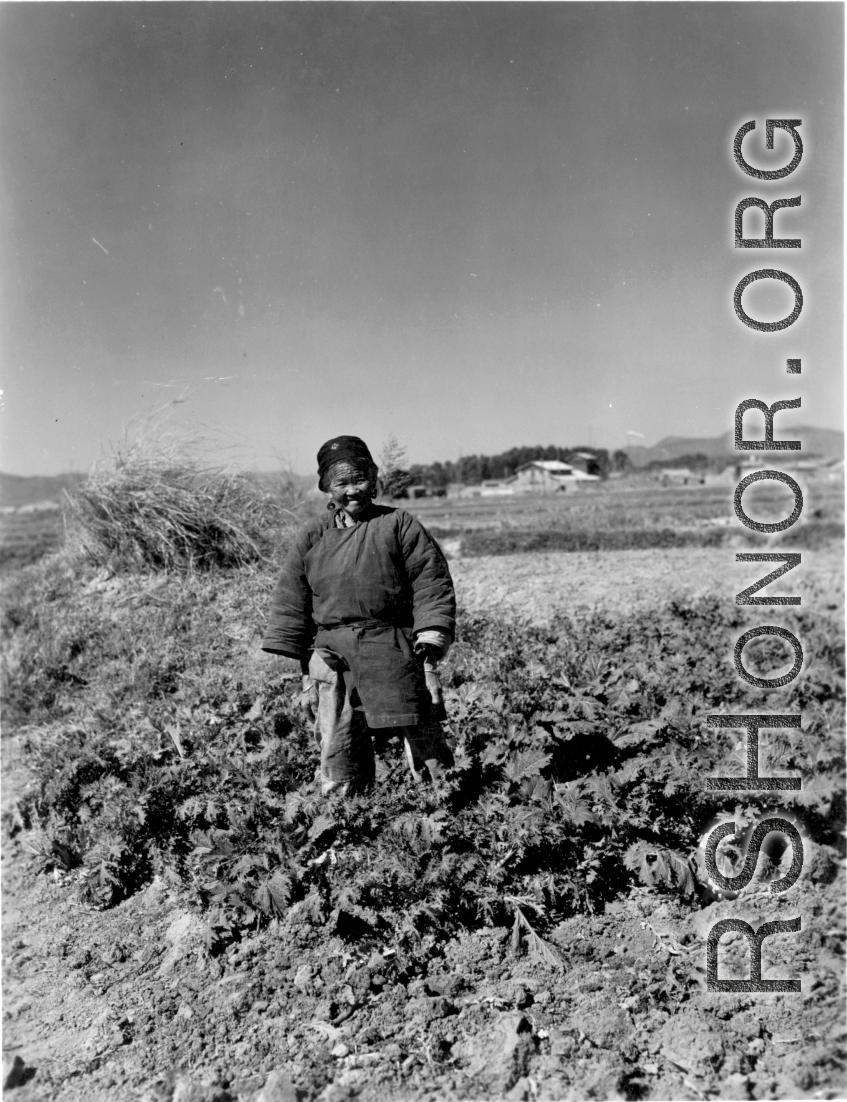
x,y
157,507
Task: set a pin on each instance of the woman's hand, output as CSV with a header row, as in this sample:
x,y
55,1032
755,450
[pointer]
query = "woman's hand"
x,y
433,687
309,697
430,654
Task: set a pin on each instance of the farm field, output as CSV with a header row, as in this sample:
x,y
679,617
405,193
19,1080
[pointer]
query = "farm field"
x,y
541,586
31,522
635,502
27,534
184,920
620,515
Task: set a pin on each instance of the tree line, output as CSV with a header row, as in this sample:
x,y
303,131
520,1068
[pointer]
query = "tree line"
x,y
472,469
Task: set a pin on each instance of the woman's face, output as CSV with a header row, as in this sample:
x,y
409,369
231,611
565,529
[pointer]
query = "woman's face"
x,y
351,488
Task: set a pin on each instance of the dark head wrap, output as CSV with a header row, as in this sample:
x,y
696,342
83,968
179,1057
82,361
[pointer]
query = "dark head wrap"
x,y
343,449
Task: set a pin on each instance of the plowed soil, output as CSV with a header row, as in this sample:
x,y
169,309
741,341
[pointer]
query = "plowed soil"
x,y
538,586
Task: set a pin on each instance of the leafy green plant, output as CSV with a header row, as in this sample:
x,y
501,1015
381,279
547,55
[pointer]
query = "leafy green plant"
x,y
157,744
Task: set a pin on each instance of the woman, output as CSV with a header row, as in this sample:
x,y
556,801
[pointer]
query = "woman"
x,y
366,603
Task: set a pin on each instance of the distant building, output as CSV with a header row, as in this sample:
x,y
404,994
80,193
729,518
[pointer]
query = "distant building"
x,y
493,486
420,489
790,462
587,462
681,476
538,476
550,476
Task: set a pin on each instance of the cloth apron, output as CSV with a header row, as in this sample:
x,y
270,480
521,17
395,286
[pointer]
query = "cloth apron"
x,y
373,633
344,739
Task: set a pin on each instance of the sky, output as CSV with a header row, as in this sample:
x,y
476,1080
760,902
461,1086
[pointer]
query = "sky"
x,y
471,226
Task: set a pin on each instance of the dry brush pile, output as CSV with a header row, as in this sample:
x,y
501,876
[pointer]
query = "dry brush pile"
x,y
159,506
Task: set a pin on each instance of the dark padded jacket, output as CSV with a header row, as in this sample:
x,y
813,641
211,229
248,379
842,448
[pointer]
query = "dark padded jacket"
x,y
386,568
362,593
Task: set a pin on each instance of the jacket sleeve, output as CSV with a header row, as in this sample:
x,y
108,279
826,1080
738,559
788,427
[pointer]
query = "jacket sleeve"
x,y
433,595
290,629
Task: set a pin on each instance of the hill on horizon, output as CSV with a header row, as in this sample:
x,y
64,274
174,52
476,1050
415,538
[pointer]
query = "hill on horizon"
x,y
816,441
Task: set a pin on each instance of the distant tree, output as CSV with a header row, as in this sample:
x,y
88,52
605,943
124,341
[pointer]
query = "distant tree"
x,y
439,476
694,462
620,460
394,480
469,469
420,474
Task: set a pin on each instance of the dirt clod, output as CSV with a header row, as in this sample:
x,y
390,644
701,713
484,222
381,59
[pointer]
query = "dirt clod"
x,y
279,1088
14,1071
190,1090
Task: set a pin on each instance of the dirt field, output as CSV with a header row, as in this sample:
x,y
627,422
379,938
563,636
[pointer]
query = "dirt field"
x,y
635,502
28,533
538,586
126,1004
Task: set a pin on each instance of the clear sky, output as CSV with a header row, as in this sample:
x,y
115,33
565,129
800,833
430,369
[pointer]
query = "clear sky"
x,y
474,226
